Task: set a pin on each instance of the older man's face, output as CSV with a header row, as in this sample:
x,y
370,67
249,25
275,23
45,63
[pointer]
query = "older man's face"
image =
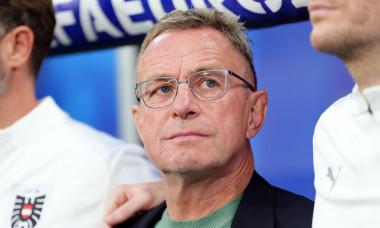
x,y
341,26
192,135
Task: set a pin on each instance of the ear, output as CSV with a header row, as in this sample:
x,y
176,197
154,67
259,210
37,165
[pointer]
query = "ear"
x,y
137,116
18,45
258,102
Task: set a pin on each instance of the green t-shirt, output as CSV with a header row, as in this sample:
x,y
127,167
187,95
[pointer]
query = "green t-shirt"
x,y
221,218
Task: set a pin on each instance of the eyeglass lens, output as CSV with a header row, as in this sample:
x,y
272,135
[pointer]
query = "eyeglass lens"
x,y
205,85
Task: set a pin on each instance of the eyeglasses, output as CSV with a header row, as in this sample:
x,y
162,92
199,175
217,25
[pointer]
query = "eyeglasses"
x,y
207,85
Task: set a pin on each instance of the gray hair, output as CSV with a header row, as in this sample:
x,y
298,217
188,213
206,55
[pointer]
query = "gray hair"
x,y
196,18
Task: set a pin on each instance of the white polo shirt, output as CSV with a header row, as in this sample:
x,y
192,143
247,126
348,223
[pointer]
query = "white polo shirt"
x,y
57,173
347,162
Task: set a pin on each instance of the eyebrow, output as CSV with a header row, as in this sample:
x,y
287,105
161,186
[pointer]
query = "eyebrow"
x,y
156,76
198,69
210,67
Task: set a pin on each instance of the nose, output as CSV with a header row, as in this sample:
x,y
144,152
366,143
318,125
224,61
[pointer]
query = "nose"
x,y
185,104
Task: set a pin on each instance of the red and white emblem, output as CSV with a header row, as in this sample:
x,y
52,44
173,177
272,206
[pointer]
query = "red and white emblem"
x,y
27,208
26,211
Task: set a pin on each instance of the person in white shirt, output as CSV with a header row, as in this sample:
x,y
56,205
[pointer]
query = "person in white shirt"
x,y
347,136
54,171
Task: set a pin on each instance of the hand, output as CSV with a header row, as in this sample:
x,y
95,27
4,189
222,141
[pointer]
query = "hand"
x,y
127,200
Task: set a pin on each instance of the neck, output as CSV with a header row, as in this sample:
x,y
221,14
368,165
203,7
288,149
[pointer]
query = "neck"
x,y
365,67
18,99
188,198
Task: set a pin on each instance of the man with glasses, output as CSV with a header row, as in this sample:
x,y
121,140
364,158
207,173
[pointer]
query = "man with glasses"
x,y
199,107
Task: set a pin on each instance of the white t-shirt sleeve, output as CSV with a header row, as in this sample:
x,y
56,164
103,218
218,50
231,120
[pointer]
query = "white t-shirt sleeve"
x,y
131,165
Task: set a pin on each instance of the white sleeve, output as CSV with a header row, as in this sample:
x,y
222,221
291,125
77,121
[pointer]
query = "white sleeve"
x,y
131,165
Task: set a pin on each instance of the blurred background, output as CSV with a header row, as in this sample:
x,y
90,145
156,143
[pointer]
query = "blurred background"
x,y
96,87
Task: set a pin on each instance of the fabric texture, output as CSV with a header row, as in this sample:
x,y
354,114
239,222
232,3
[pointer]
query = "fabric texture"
x,y
262,206
57,172
221,218
346,162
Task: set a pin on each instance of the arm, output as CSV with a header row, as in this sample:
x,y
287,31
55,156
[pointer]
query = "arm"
x,y
127,200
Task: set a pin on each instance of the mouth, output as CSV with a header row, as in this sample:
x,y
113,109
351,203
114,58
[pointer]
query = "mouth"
x,y
317,11
186,135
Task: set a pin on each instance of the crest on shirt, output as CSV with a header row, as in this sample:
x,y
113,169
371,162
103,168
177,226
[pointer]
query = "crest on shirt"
x,y
27,207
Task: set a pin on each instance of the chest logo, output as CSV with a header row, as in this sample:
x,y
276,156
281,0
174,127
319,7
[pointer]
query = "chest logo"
x,y
27,207
333,177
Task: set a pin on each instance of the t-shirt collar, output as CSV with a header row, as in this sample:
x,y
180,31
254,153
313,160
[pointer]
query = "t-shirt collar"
x,y
368,99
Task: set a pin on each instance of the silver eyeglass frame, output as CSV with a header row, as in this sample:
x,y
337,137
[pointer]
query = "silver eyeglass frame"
x,y
226,72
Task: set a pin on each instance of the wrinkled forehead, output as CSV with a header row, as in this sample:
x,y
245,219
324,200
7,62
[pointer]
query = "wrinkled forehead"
x,y
175,48
183,42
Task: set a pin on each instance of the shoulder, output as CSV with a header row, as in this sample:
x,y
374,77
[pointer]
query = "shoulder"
x,y
102,147
76,136
288,200
292,210
339,108
334,123
61,134
264,205
89,133
285,202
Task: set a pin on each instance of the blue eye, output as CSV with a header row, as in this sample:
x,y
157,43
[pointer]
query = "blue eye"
x,y
164,89
210,83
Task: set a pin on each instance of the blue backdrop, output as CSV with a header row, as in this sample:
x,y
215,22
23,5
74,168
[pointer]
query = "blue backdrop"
x,y
301,84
